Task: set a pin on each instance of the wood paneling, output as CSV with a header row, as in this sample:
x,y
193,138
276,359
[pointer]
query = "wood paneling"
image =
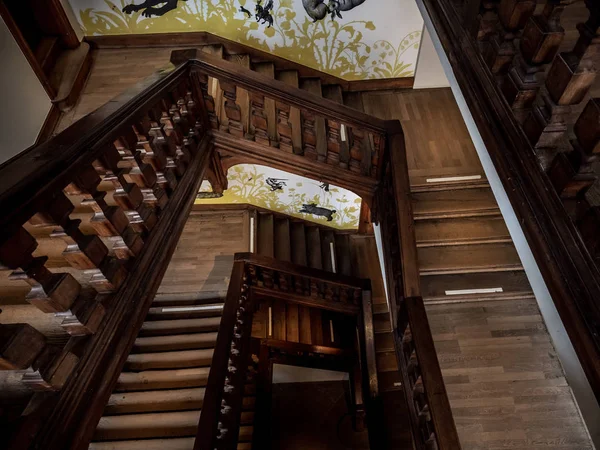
x,y
505,383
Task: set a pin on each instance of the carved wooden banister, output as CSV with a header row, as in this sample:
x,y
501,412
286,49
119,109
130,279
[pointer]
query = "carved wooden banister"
x,y
544,153
255,278
114,190
296,129
429,409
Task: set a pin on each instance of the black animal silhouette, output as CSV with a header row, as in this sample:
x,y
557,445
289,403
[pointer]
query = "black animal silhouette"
x,y
263,13
316,210
151,7
318,10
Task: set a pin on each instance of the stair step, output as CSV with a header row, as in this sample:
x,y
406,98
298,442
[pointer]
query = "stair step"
x,y
313,247
184,312
514,284
327,240
384,342
180,326
312,85
146,444
298,238
461,231
381,323
389,381
162,379
186,300
174,342
155,401
283,246
214,49
454,259
454,203
169,360
395,411
155,444
149,425
266,233
386,362
344,254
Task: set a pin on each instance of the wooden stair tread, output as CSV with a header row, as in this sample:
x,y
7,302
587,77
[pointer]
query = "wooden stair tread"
x,y
298,242
185,300
389,381
313,247
312,85
454,203
149,425
169,360
386,362
468,258
162,379
461,230
174,342
265,235
514,284
146,444
384,342
180,326
395,412
175,312
333,92
154,401
214,49
381,323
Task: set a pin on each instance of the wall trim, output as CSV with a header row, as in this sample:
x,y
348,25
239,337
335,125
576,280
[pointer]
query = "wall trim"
x,y
198,38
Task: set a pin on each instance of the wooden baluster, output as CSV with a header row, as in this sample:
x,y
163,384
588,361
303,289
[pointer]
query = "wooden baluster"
x,y
108,221
573,175
539,43
50,292
89,252
259,119
127,195
513,15
568,81
284,127
51,369
209,102
588,227
232,110
20,345
314,133
488,21
177,141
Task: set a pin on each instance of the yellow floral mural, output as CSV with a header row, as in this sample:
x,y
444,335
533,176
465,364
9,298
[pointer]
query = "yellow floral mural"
x,y
378,39
288,194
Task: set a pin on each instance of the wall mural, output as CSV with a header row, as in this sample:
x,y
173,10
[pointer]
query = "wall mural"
x,y
351,39
289,194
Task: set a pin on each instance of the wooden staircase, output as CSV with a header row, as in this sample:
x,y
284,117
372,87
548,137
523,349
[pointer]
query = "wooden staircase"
x,y
464,245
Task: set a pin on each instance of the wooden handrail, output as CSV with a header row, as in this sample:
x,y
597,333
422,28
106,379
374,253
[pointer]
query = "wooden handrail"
x,y
275,89
427,401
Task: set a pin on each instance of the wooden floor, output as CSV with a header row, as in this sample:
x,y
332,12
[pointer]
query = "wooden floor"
x,y
506,385
203,259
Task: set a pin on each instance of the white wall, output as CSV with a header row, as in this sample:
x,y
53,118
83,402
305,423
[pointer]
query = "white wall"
x,y
429,72
25,103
